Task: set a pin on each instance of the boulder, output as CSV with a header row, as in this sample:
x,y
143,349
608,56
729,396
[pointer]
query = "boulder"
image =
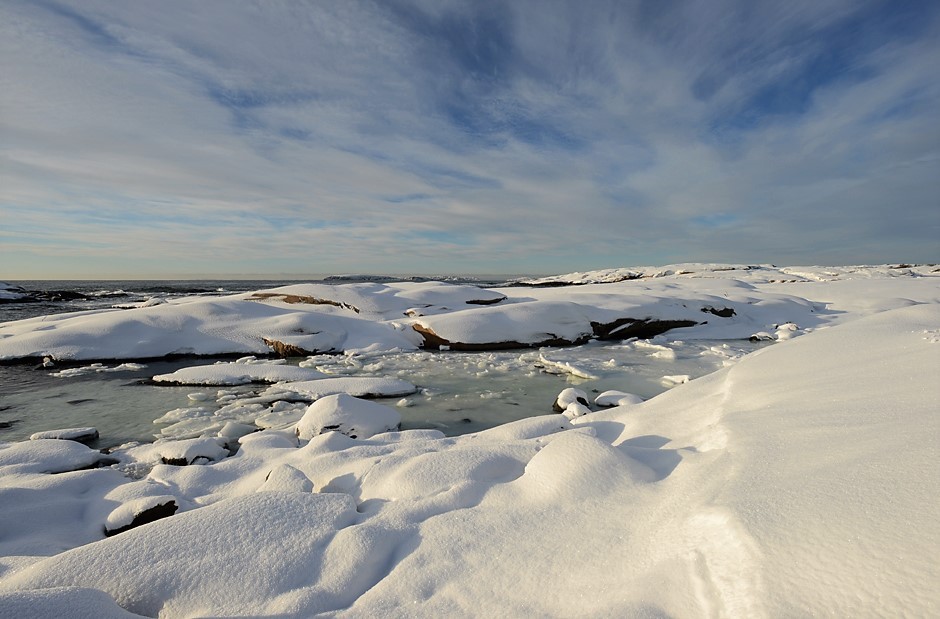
x,y
347,415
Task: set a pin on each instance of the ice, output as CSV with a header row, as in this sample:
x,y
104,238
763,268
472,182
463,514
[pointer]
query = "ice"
x,y
239,373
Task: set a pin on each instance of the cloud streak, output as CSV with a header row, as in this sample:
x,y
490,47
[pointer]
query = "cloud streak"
x,y
287,137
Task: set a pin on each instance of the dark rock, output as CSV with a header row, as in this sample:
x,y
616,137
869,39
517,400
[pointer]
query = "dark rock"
x,y
626,328
288,350
295,298
724,312
147,516
174,461
485,301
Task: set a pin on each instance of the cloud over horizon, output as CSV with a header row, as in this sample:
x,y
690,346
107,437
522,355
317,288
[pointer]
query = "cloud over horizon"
x,y
175,138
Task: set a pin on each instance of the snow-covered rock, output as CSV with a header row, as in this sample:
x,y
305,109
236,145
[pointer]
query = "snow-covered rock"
x,y
347,415
569,396
82,435
613,397
140,512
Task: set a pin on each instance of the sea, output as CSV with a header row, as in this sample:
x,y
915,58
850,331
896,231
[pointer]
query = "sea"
x,y
458,392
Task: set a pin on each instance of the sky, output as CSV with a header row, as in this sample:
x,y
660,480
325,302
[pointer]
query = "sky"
x,y
286,138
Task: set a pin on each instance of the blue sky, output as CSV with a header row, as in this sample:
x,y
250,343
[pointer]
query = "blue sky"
x,y
227,138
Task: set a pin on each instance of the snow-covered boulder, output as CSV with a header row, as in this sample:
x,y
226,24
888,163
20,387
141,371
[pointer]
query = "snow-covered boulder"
x,y
616,398
48,456
82,435
178,453
347,415
569,396
139,512
286,478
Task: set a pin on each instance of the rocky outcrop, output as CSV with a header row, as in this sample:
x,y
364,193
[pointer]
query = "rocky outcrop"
x,y
435,342
722,312
626,328
288,350
620,329
296,298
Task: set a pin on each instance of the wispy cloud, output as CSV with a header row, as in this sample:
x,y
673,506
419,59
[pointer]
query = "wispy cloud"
x,y
402,136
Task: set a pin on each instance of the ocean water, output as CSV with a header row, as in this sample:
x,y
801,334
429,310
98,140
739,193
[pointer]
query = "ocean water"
x,y
457,393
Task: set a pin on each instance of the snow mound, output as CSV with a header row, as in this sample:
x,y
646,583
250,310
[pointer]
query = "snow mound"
x,y
347,415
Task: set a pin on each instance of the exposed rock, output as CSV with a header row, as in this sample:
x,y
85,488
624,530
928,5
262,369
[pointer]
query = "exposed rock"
x,y
82,435
626,328
724,312
435,342
296,298
485,301
139,512
288,350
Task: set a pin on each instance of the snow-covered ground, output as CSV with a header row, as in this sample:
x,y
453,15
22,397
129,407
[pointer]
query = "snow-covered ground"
x,y
800,480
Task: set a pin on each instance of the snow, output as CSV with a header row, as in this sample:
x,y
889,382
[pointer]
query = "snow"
x,y
799,480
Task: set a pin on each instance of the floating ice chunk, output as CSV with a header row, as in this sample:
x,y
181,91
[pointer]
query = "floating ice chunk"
x,y
82,435
359,386
94,368
566,367
617,398
404,403
241,372
347,415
